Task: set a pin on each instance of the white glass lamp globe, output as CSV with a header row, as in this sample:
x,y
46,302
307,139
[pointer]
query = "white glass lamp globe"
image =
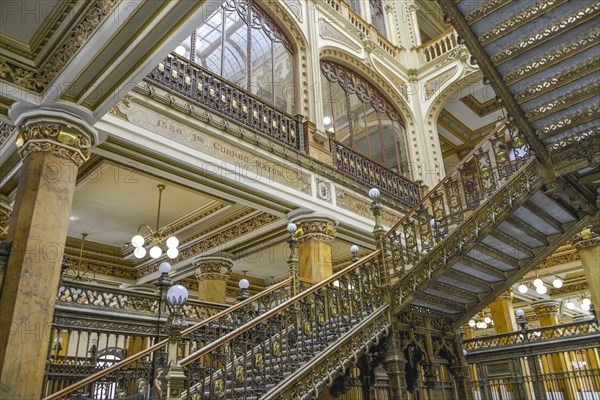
x,y
542,290
172,252
139,252
354,249
155,252
164,268
585,307
557,283
137,240
180,50
538,282
244,284
292,227
484,325
586,301
570,305
172,242
326,120
487,320
177,295
520,312
472,323
522,288
374,193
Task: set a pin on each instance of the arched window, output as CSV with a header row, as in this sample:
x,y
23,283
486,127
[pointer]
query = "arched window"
x,y
240,43
361,118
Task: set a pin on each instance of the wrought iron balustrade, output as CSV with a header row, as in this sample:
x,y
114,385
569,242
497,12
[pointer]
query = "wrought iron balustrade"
x,y
250,360
494,162
103,297
121,354
372,173
532,336
179,75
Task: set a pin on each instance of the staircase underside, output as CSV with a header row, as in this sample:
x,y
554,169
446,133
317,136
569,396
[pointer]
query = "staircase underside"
x,y
504,238
543,59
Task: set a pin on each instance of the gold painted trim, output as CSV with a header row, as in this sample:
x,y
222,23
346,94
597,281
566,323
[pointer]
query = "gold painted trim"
x,y
557,81
479,108
566,101
520,19
485,10
547,60
549,32
569,121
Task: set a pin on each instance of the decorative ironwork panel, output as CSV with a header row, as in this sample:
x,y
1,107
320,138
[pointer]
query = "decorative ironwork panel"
x,y
208,90
371,173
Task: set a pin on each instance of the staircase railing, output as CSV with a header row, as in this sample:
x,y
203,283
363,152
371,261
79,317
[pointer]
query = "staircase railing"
x,y
250,360
472,181
124,376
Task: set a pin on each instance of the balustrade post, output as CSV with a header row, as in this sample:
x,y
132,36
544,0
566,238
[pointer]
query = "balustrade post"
x,y
379,234
172,379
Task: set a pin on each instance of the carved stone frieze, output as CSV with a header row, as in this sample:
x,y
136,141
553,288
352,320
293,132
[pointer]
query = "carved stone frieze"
x,y
5,131
59,140
394,78
327,31
38,81
457,53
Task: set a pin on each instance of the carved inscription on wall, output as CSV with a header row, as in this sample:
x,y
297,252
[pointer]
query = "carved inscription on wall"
x,y
249,168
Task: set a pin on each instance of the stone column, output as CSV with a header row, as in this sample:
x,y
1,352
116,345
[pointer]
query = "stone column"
x,y
587,244
213,273
52,144
315,234
503,313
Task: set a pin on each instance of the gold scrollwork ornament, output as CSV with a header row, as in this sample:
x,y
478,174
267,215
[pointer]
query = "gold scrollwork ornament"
x,y
276,349
259,360
240,373
219,388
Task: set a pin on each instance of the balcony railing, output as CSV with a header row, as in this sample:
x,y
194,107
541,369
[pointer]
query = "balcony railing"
x,y
102,298
437,47
373,174
179,75
532,336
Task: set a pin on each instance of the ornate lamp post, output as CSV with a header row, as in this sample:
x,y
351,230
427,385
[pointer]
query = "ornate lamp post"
x,y
162,282
293,263
173,378
538,387
354,250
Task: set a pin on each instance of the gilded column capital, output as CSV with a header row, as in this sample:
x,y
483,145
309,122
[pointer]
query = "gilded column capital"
x,y
61,140
546,308
213,268
508,296
65,130
588,237
315,228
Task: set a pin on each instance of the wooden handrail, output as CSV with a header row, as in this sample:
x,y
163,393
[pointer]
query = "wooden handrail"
x,y
137,356
456,168
249,325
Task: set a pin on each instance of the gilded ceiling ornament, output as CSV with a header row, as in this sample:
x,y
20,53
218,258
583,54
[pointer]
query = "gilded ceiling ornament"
x,y
62,141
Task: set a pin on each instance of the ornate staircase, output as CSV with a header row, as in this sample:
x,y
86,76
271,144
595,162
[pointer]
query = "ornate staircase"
x,y
492,219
